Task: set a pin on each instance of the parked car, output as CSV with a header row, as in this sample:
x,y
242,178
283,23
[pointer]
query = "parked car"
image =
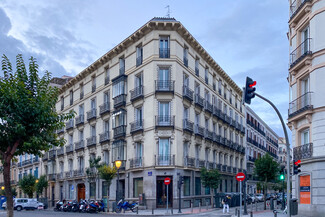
x,y
259,197
25,203
253,197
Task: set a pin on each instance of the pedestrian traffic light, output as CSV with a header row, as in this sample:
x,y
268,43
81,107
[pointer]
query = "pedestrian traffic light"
x,y
296,167
249,91
282,173
182,180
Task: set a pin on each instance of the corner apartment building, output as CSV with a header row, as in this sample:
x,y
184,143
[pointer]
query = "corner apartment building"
x,y
260,139
159,102
307,105
282,154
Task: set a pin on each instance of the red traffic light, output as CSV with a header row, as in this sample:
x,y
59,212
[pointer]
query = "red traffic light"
x,y
252,85
297,162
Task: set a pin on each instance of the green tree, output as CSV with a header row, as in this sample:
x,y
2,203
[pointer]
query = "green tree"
x,y
266,170
41,184
13,191
28,119
28,185
107,173
211,179
92,170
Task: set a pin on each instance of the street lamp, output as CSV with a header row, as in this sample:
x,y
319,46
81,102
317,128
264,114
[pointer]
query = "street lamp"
x,y
2,187
118,164
36,181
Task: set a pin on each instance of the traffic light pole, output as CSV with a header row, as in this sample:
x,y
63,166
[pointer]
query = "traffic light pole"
x,y
288,152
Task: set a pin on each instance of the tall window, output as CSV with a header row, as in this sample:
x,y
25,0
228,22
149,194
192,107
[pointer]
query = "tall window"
x,y
70,139
164,47
186,80
197,119
185,58
138,115
119,87
93,104
81,109
185,151
118,147
81,135
207,96
197,186
81,91
92,186
138,80
81,163
62,103
139,55
206,155
122,65
137,186
163,79
186,113
305,137
197,67
106,157
219,86
119,119
164,151
164,112
207,75
71,97
304,40
107,72
139,152
187,185
106,98
207,124
93,84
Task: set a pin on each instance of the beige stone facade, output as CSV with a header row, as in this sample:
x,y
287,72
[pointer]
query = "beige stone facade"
x,y
161,104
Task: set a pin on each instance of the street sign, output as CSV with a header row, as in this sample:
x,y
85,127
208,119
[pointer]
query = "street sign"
x,y
167,181
240,177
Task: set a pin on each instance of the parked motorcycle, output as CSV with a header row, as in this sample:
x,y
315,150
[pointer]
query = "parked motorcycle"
x,y
126,206
58,206
92,207
101,206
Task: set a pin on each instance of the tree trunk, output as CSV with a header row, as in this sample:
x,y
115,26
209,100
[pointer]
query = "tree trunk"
x,y
264,193
6,177
213,193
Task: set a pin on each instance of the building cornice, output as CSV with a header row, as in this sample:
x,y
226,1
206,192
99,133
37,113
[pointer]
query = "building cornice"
x,y
154,24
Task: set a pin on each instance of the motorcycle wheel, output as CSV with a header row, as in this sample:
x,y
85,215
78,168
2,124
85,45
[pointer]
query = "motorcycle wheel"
x,y
55,210
117,210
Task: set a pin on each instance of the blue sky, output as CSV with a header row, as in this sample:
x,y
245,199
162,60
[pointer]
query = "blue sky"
x,y
245,37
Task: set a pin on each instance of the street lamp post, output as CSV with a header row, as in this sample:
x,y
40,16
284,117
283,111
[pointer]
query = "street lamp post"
x,y
118,164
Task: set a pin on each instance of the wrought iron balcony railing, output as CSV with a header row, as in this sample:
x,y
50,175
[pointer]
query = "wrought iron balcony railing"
x,y
92,114
91,141
208,107
119,131
296,5
300,52
119,100
69,174
79,145
165,160
136,126
165,121
199,101
104,137
69,125
198,130
188,125
136,162
79,173
52,154
165,86
164,53
136,93
104,108
69,148
187,93
300,104
303,152
80,120
189,161
60,151
208,135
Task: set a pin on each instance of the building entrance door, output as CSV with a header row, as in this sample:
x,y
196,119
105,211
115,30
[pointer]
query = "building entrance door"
x,y
81,191
161,192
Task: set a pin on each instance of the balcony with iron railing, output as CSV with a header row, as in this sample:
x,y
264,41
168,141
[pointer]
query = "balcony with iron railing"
x,y
69,148
119,100
136,126
91,114
208,135
136,162
300,53
60,151
79,145
189,161
187,93
79,173
296,11
52,154
216,138
93,88
136,93
198,131
52,177
224,168
61,130
165,86
232,122
104,108
164,53
104,137
119,131
165,121
69,174
216,112
164,160
299,105
60,176
219,166
208,107
199,101
197,71
80,120
229,169
91,141
303,152
139,60
69,125
188,125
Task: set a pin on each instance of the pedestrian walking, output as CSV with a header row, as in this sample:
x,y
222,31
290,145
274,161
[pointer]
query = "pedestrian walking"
x,y
225,202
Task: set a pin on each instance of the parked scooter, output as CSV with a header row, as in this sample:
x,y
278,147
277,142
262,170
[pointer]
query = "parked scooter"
x,y
126,206
101,206
58,206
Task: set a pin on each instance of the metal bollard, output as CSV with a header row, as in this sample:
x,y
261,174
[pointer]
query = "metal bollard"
x,y
238,212
152,212
275,214
172,211
191,206
251,214
137,210
200,207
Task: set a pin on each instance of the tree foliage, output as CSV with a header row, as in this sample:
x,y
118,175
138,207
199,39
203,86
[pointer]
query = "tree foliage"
x,y
107,173
13,191
210,178
28,119
28,185
41,184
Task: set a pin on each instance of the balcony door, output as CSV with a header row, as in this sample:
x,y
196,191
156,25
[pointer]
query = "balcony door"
x,y
305,137
304,37
164,152
164,113
81,109
139,151
138,116
163,78
164,44
186,113
106,97
93,104
304,90
186,80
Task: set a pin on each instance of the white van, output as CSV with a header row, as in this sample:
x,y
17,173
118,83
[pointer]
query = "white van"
x,y
25,203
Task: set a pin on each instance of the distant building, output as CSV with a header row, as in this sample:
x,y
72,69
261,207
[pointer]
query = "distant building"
x,y
306,114
260,139
282,154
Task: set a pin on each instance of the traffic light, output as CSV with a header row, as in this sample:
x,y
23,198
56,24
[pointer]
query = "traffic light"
x,y
249,91
282,173
180,181
296,167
